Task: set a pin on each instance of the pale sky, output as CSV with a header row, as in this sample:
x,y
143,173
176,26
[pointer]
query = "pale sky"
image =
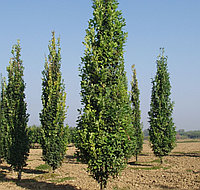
x,y
172,24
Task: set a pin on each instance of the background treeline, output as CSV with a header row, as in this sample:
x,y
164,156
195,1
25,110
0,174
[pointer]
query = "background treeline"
x,y
180,134
34,133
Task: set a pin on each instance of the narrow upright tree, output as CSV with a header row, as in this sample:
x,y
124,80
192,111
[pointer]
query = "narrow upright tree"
x,y
1,130
136,114
1,119
16,116
162,130
54,141
3,124
104,126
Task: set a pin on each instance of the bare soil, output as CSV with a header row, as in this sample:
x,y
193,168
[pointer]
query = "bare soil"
x,y
180,170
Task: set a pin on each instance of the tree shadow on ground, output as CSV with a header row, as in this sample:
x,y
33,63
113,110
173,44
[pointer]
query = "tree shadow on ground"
x,y
144,154
31,171
2,175
138,164
25,170
33,184
182,154
5,167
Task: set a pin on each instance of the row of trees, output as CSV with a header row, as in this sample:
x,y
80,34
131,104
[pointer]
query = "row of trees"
x,y
108,129
35,135
14,136
182,134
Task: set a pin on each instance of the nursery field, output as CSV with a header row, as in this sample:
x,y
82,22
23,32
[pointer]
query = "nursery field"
x,y
180,170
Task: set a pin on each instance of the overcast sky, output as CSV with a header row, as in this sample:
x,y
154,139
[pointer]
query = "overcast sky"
x,y
172,24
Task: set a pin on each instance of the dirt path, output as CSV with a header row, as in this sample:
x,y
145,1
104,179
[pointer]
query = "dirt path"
x,y
181,170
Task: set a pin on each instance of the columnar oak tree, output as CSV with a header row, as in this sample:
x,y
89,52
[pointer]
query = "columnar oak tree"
x,y
1,117
3,126
104,127
1,130
16,117
162,130
54,141
136,113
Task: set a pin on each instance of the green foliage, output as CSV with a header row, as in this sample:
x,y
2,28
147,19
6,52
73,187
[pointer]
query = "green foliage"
x,y
136,114
35,135
54,138
162,130
104,129
1,129
16,116
71,134
181,134
5,139
3,120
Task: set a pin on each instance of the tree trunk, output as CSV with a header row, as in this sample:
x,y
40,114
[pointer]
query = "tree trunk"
x,y
19,174
11,169
103,185
161,160
136,157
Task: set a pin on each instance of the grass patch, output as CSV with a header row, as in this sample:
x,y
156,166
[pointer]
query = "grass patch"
x,y
60,180
47,176
30,160
155,161
189,170
195,152
43,167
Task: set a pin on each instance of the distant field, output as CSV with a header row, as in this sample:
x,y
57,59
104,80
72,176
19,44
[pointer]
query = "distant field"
x,y
181,170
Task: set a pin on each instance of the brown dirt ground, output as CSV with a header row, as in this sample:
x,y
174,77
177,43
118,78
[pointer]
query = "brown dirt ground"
x,y
180,170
